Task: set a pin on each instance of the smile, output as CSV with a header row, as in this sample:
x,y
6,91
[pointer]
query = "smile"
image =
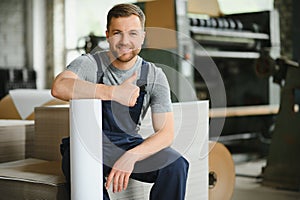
x,y
125,50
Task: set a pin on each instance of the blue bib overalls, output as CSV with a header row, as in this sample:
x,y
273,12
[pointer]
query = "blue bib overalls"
x,y
167,169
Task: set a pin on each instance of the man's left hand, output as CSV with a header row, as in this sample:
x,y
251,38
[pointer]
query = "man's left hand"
x,y
121,171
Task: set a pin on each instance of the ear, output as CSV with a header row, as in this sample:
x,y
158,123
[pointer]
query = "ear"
x,y
144,35
106,34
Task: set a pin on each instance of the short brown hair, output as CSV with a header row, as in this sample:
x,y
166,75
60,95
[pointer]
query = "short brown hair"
x,y
125,10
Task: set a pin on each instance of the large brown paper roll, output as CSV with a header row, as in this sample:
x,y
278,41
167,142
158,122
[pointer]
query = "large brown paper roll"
x,y
221,172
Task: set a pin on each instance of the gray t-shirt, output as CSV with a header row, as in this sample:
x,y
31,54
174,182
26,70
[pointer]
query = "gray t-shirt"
x,y
158,90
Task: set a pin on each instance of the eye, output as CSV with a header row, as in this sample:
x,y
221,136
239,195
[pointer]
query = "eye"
x,y
133,33
117,33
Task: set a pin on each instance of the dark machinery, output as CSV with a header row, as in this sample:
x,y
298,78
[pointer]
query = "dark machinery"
x,y
92,43
238,44
282,169
235,42
15,79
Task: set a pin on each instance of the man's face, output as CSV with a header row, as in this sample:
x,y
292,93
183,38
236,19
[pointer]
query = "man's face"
x,y
125,37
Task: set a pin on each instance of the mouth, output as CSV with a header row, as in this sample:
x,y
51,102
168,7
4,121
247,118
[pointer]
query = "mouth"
x,y
124,50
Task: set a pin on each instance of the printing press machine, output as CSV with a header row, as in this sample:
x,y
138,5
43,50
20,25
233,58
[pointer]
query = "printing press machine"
x,y
239,45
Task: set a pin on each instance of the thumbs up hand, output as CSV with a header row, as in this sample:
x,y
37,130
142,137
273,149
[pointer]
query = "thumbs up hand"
x,y
127,92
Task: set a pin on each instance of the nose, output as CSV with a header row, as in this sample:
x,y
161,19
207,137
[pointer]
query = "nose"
x,y
125,38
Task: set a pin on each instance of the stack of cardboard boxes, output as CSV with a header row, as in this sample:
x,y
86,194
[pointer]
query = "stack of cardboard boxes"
x,y
16,139
37,175
30,164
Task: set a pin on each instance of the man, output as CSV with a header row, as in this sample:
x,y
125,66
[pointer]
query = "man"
x,y
128,86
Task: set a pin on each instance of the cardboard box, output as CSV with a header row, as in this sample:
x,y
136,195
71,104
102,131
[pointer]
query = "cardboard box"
x,y
161,24
10,111
16,139
51,125
205,7
32,179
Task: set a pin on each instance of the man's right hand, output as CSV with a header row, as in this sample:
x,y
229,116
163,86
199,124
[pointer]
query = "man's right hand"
x,y
127,92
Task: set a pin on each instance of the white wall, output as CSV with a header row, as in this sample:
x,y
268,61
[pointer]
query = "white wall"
x,y
39,41
12,34
240,6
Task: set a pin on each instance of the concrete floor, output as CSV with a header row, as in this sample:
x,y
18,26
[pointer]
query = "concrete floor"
x,y
248,184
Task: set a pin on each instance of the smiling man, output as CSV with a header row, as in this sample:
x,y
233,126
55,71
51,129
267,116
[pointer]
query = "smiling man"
x,y
127,85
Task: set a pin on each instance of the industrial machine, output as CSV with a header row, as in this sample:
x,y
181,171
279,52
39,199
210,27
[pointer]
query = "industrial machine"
x,y
237,43
282,169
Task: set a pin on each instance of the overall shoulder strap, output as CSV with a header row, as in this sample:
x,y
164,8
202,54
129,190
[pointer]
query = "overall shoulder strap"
x,y
142,82
99,71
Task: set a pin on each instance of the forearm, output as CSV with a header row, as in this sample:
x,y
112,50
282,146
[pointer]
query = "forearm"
x,y
162,138
70,88
151,145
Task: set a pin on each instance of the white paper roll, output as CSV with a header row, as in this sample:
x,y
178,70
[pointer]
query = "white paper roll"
x,y
86,149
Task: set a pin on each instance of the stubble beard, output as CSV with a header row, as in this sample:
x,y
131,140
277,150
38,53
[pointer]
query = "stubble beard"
x,y
125,57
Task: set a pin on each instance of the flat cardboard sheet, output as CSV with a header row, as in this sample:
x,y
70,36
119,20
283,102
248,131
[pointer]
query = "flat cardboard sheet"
x,y
33,170
19,107
32,179
26,100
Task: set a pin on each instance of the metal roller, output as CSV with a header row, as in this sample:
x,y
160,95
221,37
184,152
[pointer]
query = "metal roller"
x,y
232,24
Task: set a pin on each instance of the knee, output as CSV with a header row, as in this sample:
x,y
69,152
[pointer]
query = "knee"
x,y
181,165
